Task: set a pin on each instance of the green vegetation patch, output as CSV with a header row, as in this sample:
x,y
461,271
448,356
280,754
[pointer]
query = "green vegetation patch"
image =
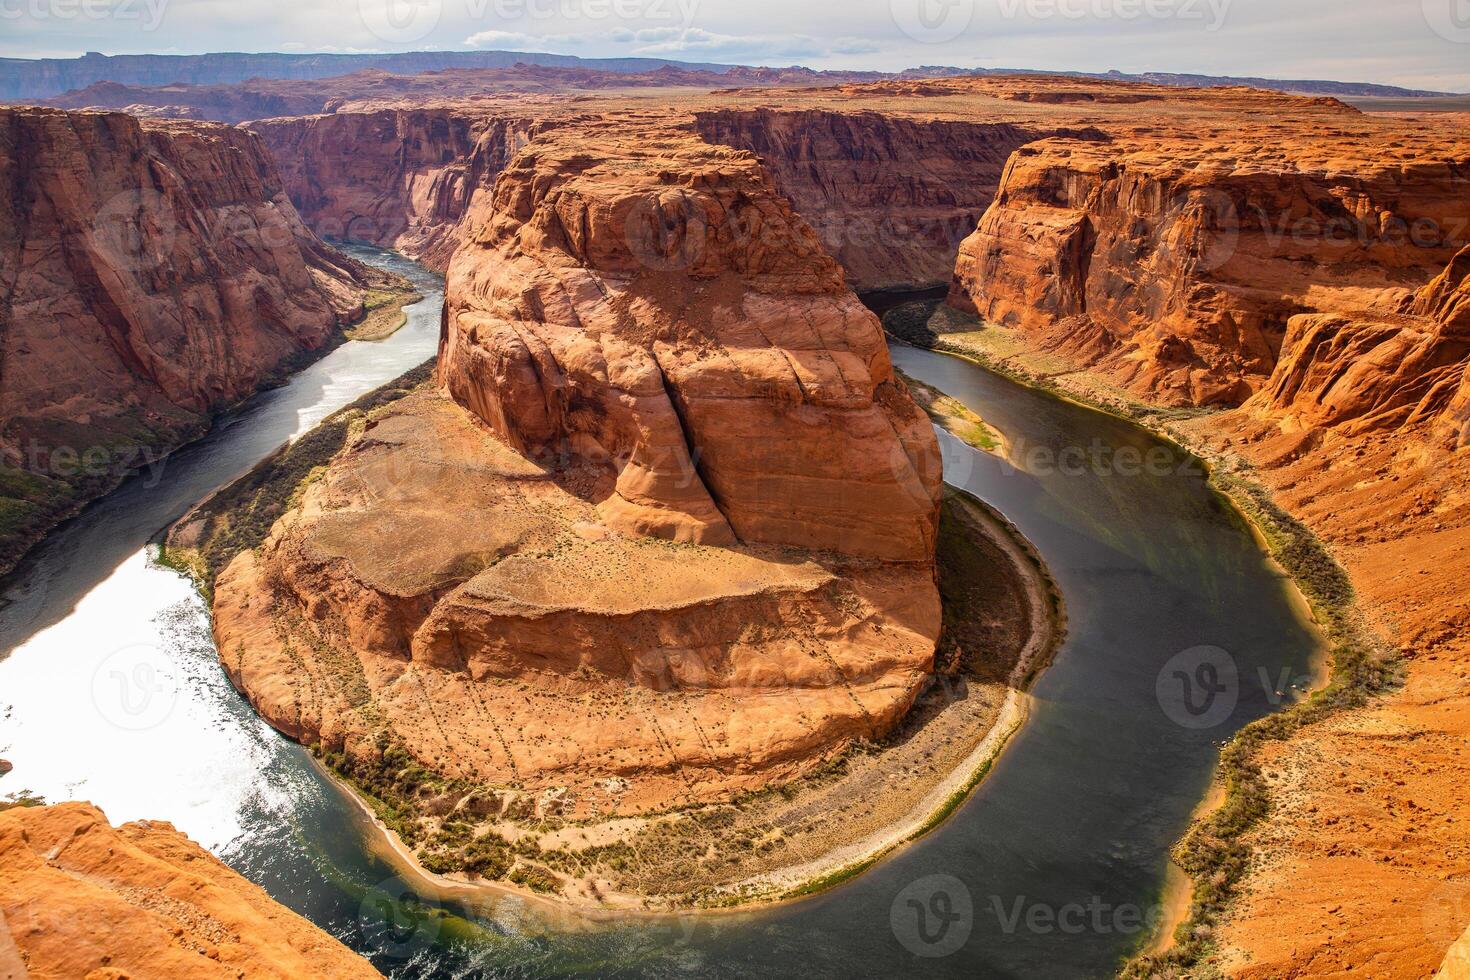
x,y
953,416
383,313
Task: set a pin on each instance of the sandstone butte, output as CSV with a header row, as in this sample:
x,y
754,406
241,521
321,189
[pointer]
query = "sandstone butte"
x,y
1290,262
155,273
80,898
663,534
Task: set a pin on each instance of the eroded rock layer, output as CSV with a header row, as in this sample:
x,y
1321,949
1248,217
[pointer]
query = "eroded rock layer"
x,y
1397,371
80,898
664,535
1172,266
154,273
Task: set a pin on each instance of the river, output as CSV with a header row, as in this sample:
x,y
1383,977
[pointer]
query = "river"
x,y
110,691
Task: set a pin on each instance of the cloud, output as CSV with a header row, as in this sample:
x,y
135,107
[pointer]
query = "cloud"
x,y
760,47
516,41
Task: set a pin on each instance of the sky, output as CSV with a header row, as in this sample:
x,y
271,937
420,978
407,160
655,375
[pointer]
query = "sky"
x,y
1415,43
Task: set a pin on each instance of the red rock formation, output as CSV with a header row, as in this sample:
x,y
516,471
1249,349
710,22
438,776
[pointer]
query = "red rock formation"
x,y
664,310
154,274
1173,267
80,898
399,178
641,342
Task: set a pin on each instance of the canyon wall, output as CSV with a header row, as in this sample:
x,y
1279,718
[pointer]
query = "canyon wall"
x,y
154,273
398,178
80,898
889,197
1172,267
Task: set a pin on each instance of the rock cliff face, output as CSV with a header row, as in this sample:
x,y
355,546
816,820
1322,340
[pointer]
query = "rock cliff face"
x,y
80,898
890,198
399,178
665,534
1172,267
153,274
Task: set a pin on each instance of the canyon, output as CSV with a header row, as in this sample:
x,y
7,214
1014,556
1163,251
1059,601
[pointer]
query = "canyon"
x,y
79,897
155,275
654,368
1268,260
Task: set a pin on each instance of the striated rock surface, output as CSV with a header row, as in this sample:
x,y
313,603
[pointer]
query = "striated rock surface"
x,y
1394,372
1172,267
154,274
80,898
665,534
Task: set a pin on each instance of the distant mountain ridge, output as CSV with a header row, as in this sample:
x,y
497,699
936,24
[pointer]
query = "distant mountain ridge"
x,y
1300,86
22,78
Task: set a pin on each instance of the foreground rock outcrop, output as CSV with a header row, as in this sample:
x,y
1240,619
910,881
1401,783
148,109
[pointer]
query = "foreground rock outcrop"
x,y
664,533
80,898
154,274
668,313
